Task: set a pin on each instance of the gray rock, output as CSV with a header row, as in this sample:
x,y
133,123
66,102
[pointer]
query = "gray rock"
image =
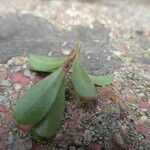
x,y
145,60
21,35
142,42
25,34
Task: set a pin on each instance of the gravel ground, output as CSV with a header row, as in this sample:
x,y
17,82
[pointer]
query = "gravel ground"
x,y
120,119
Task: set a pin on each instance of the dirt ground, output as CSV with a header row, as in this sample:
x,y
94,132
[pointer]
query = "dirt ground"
x,y
121,119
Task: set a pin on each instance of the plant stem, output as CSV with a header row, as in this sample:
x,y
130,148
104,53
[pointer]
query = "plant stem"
x,y
78,47
68,63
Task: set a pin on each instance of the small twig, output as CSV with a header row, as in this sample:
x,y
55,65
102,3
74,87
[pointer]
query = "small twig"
x,y
78,48
68,63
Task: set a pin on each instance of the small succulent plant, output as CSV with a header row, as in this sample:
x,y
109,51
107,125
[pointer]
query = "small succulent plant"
x,y
43,105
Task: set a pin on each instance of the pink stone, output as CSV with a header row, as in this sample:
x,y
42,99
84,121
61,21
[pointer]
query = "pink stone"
x,y
87,116
8,118
71,123
123,47
38,78
7,114
37,147
70,108
24,127
131,148
2,145
143,128
147,137
3,108
95,146
76,114
4,129
18,77
145,105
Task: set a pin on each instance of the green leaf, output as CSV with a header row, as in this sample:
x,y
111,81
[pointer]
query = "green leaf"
x,y
102,80
50,124
44,63
81,80
37,100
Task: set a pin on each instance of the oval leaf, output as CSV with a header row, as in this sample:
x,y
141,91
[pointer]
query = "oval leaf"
x,y
81,80
36,102
51,123
102,80
44,63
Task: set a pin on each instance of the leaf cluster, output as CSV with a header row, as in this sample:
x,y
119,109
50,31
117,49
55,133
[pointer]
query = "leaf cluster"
x,y
43,104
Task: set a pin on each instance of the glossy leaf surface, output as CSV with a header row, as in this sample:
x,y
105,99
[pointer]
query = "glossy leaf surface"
x,y
51,123
102,80
81,80
37,100
44,63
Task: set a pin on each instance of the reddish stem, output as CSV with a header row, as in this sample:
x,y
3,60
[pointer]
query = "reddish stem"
x,y
68,63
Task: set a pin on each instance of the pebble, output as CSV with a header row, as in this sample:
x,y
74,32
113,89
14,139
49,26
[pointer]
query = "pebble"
x,y
2,98
148,113
3,73
5,83
119,139
72,148
88,57
143,119
146,75
17,86
140,137
25,66
27,73
141,148
19,60
66,52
